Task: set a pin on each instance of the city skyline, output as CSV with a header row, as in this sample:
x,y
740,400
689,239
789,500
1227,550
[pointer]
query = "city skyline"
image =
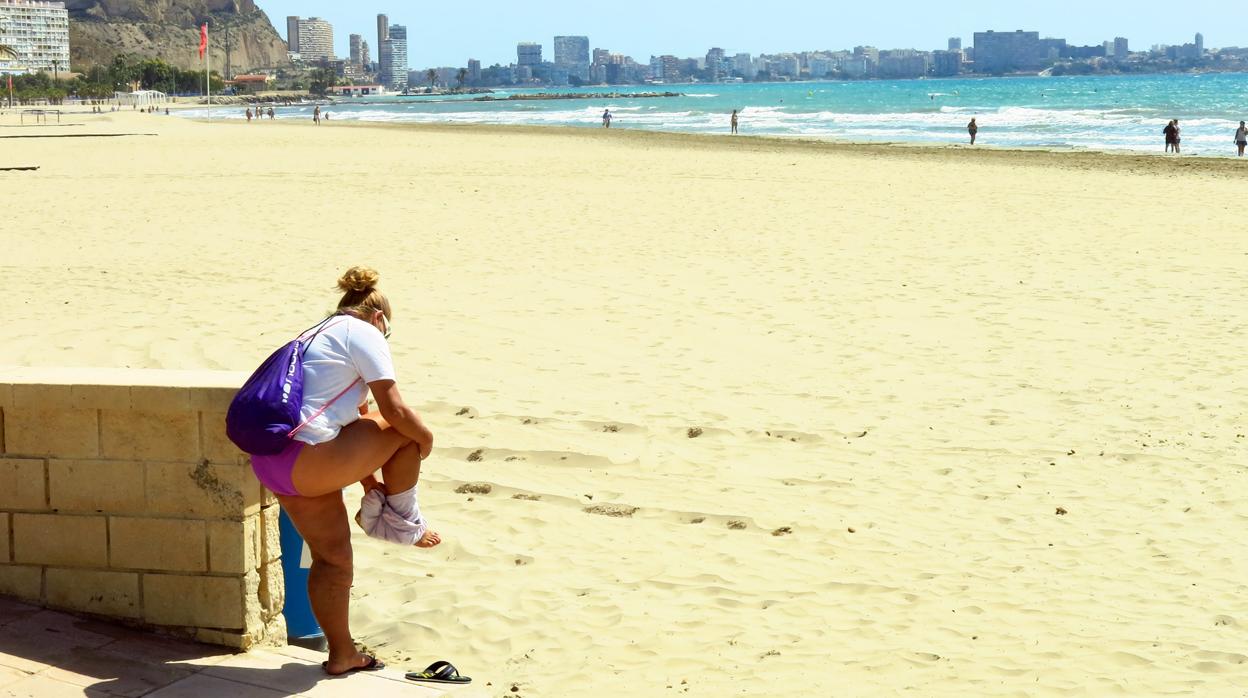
x,y
498,27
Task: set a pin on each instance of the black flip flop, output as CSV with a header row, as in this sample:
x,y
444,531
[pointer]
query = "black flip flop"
x,y
439,672
372,665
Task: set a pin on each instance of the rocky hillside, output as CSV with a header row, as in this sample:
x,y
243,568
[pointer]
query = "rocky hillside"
x,y
169,29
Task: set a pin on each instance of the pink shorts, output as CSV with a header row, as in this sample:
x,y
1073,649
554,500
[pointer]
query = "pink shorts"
x,y
274,471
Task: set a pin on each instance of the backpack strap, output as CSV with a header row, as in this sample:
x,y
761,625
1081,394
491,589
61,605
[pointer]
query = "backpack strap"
x,y
321,411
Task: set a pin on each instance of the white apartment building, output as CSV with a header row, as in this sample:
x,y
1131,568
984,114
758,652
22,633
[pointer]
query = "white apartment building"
x,y
316,39
39,31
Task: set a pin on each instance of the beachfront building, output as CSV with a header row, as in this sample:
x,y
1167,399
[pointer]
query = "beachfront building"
x,y
292,34
251,84
572,57
38,31
474,71
358,90
1121,48
716,65
357,44
394,58
955,43
528,55
946,64
312,38
1012,51
383,32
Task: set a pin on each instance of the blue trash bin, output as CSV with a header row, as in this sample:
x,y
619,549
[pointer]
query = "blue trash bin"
x,y
301,626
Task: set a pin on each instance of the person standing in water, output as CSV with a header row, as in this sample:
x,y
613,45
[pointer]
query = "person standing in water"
x,y
1178,136
1168,132
606,118
1241,138
734,122
973,129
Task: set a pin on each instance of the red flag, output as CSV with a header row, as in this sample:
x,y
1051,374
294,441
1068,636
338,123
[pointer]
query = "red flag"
x,y
203,39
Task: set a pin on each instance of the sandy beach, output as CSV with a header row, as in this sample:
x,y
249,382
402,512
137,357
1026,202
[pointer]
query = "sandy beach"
x,y
756,417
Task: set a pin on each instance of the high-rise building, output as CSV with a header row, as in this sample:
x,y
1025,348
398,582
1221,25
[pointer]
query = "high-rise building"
x,y
1003,52
383,31
38,31
1121,48
955,43
366,56
394,58
571,50
715,66
743,64
357,46
946,64
474,70
292,34
314,37
1200,45
528,54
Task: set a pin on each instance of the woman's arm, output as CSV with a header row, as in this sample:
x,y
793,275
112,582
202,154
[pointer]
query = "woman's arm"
x,y
400,416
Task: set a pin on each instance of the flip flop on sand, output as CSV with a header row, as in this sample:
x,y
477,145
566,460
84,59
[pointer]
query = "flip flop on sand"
x,y
371,665
439,672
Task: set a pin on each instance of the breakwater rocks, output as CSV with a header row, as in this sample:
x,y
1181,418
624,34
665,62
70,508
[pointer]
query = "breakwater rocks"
x,y
577,95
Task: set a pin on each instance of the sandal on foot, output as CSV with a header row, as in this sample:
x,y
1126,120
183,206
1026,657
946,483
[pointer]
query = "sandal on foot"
x,y
372,665
439,672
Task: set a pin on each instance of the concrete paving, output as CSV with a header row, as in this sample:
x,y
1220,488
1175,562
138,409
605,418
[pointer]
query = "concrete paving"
x,y
45,654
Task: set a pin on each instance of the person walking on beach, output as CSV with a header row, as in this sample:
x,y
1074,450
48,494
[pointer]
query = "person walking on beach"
x,y
340,443
606,118
1241,138
270,113
973,129
734,122
316,115
1168,132
249,115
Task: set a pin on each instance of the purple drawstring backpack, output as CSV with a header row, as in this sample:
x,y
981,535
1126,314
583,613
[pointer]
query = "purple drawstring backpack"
x,y
264,415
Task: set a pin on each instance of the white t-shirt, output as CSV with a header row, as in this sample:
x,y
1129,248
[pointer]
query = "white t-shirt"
x,y
346,351
1241,135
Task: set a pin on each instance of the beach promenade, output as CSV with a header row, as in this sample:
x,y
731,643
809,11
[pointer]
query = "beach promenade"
x,y
713,416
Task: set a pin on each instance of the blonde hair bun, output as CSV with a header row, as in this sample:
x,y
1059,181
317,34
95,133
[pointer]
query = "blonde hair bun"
x,y
358,280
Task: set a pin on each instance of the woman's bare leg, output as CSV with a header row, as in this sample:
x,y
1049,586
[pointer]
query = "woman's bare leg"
x,y
322,521
361,449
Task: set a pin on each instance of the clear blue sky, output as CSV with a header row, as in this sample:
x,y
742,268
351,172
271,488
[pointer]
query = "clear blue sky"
x,y
448,34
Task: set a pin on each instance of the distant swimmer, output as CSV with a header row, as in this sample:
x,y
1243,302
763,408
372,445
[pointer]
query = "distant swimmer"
x,y
734,126
973,129
1241,138
606,118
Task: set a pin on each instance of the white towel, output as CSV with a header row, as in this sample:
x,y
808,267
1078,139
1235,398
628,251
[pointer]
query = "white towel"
x,y
395,518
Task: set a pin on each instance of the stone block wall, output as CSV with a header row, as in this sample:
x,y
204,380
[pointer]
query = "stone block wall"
x,y
121,496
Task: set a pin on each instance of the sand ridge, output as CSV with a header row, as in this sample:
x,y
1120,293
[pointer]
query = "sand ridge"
x,y
660,352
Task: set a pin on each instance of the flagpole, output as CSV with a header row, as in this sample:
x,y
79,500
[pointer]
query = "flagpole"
x,y
207,75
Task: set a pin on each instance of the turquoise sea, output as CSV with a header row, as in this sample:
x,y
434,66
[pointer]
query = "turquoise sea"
x,y
1115,113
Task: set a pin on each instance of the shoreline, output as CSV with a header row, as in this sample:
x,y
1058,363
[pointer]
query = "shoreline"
x,y
1081,159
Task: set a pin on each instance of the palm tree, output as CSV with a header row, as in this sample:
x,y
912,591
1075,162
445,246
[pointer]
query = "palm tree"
x,y
433,76
8,53
462,76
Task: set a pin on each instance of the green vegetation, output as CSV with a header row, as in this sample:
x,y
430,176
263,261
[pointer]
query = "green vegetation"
x,y
122,75
320,80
